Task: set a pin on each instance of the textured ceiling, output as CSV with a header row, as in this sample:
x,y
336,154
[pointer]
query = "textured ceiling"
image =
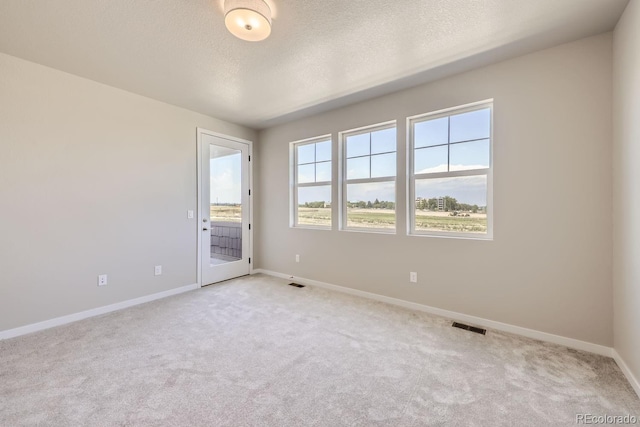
x,y
321,53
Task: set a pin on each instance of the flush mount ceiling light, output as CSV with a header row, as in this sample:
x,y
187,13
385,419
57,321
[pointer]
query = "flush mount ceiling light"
x,y
248,19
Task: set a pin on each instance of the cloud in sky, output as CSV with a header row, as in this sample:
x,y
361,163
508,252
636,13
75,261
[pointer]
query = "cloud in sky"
x,y
314,194
226,179
369,192
465,189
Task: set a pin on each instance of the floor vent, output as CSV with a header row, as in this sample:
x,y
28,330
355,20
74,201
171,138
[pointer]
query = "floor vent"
x,y
296,285
469,328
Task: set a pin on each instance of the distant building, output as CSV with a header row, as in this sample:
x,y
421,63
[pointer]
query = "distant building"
x,y
441,204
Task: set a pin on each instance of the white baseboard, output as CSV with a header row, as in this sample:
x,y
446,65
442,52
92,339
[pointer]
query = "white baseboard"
x,y
34,327
492,324
627,372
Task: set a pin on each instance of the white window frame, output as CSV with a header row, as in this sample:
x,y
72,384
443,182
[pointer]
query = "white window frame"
x,y
342,139
294,185
411,184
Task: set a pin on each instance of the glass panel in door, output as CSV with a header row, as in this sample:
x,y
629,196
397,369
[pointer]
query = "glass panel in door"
x,y
225,204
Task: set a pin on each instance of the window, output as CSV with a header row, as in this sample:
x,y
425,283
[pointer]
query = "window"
x,y
369,178
451,172
311,183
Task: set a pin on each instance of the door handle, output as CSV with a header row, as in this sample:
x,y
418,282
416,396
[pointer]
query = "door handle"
x,y
205,229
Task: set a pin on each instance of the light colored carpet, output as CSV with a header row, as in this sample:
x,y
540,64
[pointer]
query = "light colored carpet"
x,y
256,352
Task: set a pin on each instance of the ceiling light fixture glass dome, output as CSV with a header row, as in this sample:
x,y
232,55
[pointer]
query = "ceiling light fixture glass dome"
x,y
248,19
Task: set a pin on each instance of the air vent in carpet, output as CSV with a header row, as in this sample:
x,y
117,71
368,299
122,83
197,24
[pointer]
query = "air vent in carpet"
x,y
469,328
296,285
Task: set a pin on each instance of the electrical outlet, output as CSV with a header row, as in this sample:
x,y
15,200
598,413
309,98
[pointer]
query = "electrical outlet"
x,y
413,277
102,280
190,214
158,270
297,258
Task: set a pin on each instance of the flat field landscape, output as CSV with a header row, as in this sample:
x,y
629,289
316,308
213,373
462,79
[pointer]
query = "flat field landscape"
x,y
230,213
374,218
385,218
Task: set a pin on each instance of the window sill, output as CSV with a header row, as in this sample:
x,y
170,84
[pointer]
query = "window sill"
x,y
371,230
459,236
310,227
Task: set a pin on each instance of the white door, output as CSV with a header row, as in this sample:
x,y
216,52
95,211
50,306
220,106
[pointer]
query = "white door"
x,y
224,208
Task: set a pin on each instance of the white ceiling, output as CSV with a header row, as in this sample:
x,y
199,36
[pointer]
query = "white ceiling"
x,y
321,54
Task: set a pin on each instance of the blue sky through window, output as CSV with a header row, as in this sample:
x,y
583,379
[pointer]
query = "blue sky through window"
x,y
454,143
383,141
470,155
358,145
371,154
314,194
431,132
306,153
472,125
314,162
323,151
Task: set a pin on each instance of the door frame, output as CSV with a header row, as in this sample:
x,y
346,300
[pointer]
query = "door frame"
x,y
200,132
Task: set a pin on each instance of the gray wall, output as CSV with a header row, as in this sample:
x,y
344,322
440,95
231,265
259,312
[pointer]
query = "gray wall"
x,y
626,190
93,180
548,269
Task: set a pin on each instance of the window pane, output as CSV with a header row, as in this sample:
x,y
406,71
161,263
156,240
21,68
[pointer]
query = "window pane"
x,y
473,125
470,155
323,171
225,209
306,153
431,160
452,204
431,132
358,145
383,165
383,141
314,206
371,205
323,151
306,173
358,168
